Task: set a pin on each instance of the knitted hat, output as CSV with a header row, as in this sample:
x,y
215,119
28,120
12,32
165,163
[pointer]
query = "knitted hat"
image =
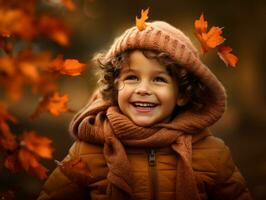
x,y
163,37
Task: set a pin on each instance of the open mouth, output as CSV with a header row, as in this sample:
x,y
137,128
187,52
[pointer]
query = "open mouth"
x,y
145,106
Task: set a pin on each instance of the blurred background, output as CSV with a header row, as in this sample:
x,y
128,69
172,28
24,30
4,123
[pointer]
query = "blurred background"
x,y
95,23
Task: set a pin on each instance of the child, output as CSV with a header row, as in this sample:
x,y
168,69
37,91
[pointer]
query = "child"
x,y
144,134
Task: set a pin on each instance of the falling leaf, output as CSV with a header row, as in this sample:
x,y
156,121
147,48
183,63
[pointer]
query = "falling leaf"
x,y
70,67
52,103
201,25
209,39
227,57
37,144
140,22
77,170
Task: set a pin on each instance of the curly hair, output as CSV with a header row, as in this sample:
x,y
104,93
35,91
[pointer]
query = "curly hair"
x,y
189,86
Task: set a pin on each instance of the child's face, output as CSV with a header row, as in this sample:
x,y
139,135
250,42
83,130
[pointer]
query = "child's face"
x,y
147,94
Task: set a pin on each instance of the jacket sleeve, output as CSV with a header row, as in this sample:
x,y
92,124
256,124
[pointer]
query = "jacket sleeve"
x,y
58,186
230,183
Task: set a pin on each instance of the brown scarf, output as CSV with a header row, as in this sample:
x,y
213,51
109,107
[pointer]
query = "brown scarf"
x,y
104,124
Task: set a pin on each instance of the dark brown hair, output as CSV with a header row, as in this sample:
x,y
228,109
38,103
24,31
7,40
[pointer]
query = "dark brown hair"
x,y
189,86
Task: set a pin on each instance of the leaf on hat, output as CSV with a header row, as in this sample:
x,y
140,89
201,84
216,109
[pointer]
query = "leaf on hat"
x,y
140,22
227,57
208,39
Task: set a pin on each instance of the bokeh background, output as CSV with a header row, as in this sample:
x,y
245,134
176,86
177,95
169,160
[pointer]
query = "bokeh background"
x,y
95,23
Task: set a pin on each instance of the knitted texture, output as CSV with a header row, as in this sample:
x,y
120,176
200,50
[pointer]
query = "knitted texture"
x,y
163,37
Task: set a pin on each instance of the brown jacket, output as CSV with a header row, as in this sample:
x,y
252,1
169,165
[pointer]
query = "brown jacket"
x,y
216,174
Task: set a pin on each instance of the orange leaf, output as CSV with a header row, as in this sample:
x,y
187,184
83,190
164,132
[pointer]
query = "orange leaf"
x,y
37,144
11,163
69,4
227,57
140,22
72,67
7,139
77,170
201,25
29,71
15,22
53,103
30,164
55,29
209,39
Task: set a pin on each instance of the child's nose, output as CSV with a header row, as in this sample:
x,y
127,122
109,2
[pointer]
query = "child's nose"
x,y
143,89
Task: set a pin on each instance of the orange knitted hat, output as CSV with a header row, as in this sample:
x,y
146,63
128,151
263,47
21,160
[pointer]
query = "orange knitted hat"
x,y
163,37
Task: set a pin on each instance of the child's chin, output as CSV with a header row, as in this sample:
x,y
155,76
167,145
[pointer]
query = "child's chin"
x,y
143,123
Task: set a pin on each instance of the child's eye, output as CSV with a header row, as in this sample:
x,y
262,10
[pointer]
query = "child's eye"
x,y
160,79
131,78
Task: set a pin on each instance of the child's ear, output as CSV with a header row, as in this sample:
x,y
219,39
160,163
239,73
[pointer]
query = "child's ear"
x,y
181,101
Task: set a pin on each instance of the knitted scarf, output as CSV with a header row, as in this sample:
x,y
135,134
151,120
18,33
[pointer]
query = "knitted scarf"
x,y
101,123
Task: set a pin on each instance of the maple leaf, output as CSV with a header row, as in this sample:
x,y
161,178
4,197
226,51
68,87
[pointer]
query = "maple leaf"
x,y
52,103
70,67
30,164
140,22
227,57
37,144
201,25
77,170
209,39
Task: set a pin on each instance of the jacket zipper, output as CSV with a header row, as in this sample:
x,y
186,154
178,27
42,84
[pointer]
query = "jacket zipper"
x,y
152,172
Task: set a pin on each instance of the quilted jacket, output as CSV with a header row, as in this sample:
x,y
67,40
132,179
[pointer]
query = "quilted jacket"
x,y
154,173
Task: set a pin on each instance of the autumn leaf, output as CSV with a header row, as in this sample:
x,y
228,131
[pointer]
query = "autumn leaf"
x,y
30,164
140,22
55,29
77,170
7,139
227,57
69,4
11,163
15,22
71,67
201,25
210,39
37,144
52,103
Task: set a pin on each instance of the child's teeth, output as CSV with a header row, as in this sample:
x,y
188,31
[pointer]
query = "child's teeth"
x,y
144,104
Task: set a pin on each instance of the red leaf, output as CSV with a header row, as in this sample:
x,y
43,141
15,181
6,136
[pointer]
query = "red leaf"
x,y
227,57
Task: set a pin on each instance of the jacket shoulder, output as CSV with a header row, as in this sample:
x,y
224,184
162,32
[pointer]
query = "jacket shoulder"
x,y
211,154
80,148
